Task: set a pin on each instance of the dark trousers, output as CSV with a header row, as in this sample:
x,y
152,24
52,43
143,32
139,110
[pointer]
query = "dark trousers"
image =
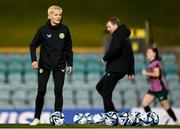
x,y
105,88
43,77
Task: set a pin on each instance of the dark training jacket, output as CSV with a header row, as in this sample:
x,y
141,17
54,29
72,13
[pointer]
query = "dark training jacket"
x,y
119,56
55,47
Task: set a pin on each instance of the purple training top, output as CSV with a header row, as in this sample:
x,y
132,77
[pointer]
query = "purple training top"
x,y
156,83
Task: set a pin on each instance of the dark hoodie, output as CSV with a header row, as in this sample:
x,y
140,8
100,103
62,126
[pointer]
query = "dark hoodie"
x,y
119,56
55,47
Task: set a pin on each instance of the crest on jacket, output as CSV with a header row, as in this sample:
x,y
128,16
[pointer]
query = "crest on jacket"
x,y
61,35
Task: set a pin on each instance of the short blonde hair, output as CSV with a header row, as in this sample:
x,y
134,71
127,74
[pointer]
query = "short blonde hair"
x,y
52,8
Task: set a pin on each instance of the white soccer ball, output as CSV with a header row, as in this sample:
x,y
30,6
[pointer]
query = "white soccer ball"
x,y
149,119
126,119
111,118
79,118
155,118
136,116
98,118
89,118
57,119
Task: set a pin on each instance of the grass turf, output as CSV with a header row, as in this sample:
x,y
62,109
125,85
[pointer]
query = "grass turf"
x,y
80,126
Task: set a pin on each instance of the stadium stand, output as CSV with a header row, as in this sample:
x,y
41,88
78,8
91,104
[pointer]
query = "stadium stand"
x,y
18,83
5,99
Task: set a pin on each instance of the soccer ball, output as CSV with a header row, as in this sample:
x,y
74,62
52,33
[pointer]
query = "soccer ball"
x,y
111,119
79,118
98,118
136,116
89,118
149,119
155,118
57,119
126,119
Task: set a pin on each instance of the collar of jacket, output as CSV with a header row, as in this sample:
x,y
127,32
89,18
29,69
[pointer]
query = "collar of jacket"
x,y
122,29
153,60
53,27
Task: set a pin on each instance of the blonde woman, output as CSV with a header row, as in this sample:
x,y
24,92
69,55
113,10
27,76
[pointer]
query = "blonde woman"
x,y
55,43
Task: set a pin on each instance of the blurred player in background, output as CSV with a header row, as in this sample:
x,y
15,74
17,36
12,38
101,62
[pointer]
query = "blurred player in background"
x,y
119,60
158,86
55,44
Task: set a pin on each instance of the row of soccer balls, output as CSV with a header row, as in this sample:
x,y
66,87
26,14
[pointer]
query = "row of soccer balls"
x,y
110,119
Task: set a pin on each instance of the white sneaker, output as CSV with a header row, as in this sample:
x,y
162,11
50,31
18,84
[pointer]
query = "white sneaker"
x,y
36,121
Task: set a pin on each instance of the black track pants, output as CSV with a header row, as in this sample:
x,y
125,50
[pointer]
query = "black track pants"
x,y
105,88
43,77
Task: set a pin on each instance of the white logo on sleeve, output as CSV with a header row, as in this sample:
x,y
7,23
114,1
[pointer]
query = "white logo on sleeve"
x,y
108,74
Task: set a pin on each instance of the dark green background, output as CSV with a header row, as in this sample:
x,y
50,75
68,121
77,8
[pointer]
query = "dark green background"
x,y
86,19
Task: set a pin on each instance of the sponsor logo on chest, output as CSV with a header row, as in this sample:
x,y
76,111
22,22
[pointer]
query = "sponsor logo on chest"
x,y
49,35
61,35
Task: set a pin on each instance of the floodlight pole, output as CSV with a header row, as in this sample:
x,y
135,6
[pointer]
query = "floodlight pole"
x,y
147,32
